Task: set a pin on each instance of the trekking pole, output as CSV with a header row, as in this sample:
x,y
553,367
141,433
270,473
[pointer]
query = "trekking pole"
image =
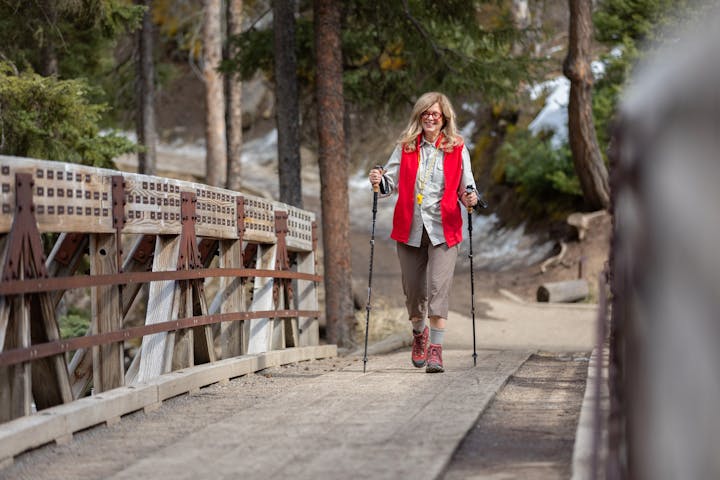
x,y
469,189
372,252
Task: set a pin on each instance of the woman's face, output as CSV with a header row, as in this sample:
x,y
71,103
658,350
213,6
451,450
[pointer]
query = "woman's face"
x,y
432,120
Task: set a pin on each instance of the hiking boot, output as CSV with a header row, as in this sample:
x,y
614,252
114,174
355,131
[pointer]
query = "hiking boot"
x,y
434,359
419,348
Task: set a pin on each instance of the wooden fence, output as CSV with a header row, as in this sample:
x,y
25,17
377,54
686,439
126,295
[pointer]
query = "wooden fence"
x,y
114,235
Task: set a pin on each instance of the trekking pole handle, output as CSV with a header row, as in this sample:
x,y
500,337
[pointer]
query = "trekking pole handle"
x,y
376,188
469,189
480,202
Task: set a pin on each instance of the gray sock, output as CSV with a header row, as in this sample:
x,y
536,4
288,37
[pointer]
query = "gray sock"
x,y
437,335
419,325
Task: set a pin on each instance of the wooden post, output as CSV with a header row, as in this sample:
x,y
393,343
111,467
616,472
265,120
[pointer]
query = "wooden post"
x,y
160,306
15,387
108,360
24,258
15,380
309,328
261,328
232,292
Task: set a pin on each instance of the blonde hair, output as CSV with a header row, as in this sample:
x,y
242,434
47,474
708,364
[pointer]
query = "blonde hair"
x,y
451,137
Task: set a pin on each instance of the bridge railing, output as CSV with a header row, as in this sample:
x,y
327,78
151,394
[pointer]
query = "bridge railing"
x,y
115,234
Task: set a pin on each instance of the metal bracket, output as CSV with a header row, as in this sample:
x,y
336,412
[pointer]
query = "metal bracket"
x,y
315,243
240,211
25,256
189,256
68,248
118,211
145,249
282,260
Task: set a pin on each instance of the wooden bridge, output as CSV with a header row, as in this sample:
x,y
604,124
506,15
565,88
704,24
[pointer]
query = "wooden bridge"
x,y
114,235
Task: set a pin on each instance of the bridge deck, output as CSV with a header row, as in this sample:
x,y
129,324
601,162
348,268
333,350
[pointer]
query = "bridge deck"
x,y
393,421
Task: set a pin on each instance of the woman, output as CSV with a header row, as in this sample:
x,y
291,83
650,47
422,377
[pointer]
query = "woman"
x,y
429,169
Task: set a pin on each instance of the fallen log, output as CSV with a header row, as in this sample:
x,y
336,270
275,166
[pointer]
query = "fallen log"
x,y
567,291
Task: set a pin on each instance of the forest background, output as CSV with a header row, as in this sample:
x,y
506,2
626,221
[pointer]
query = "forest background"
x,y
88,81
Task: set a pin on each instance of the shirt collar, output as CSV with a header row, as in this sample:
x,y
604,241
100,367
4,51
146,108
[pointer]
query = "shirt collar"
x,y
424,141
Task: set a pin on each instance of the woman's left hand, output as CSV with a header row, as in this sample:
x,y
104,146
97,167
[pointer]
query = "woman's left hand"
x,y
469,199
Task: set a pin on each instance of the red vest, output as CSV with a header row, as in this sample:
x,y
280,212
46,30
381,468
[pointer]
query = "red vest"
x,y
450,212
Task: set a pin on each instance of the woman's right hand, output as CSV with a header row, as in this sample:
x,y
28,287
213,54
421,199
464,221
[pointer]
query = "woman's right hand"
x,y
375,176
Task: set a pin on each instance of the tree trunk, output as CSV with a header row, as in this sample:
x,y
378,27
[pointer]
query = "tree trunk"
x,y
146,129
589,164
287,111
333,173
48,54
233,87
565,291
216,158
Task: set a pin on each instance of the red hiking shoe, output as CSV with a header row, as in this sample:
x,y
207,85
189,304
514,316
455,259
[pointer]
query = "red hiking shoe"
x,y
434,359
419,348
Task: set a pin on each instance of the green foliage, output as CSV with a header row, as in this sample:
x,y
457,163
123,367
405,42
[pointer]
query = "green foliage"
x,y
79,37
543,177
43,117
81,33
393,51
75,324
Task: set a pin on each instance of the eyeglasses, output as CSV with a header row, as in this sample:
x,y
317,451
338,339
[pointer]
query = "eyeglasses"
x,y
433,115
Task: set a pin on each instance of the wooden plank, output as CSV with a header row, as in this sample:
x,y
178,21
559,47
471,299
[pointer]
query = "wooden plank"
x,y
15,380
232,295
67,197
32,431
299,235
260,328
259,220
80,370
292,331
80,367
204,345
153,206
216,212
183,351
4,301
160,304
277,330
108,360
307,298
50,380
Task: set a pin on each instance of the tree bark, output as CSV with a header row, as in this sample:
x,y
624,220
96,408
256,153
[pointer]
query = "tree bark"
x,y
287,110
146,127
233,87
216,158
587,159
333,164
49,57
